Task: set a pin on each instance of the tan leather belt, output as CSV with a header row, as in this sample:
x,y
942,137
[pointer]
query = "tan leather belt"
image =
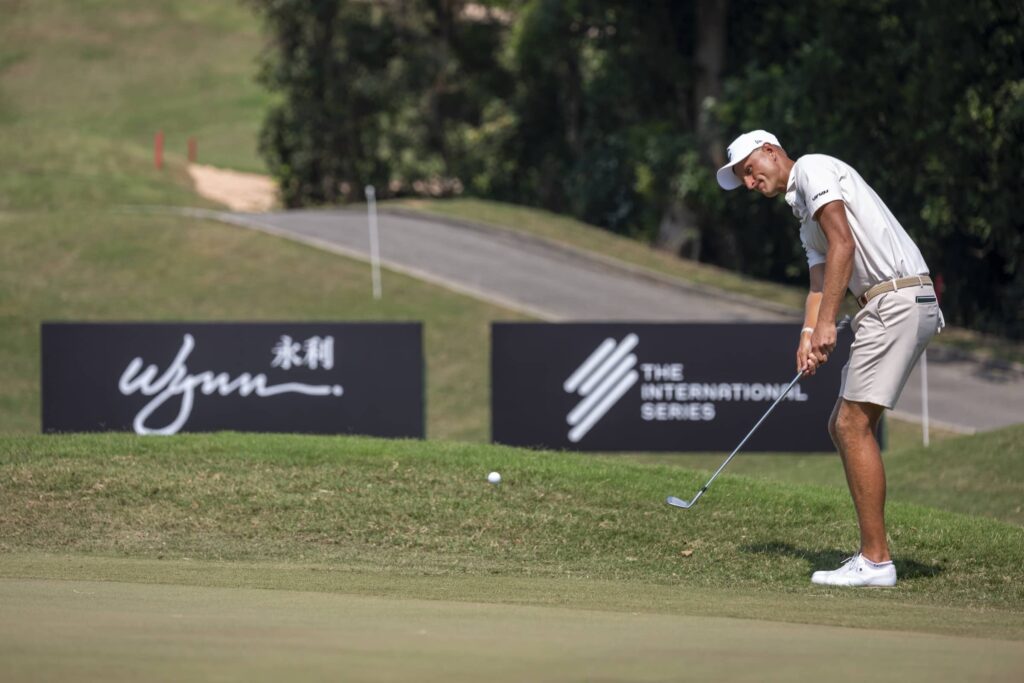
x,y
892,286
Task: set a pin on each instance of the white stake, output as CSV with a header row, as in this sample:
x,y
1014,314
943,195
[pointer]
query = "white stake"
x,y
371,208
924,395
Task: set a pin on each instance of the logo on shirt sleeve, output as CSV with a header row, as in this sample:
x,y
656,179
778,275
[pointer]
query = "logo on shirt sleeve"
x,y
819,194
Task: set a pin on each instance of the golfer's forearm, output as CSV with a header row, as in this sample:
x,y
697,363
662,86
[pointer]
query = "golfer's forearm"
x,y
811,307
838,269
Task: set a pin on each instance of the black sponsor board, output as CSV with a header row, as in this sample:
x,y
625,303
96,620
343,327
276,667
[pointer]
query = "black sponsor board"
x,y
657,387
165,378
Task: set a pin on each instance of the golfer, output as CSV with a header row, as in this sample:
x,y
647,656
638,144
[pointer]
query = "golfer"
x,y
852,242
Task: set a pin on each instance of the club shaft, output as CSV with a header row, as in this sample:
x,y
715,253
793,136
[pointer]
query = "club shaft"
x,y
839,326
750,433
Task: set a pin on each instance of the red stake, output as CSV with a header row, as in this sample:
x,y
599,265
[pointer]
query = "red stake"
x,y
158,150
193,151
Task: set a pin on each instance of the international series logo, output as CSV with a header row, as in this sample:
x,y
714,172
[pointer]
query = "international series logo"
x,y
612,369
604,377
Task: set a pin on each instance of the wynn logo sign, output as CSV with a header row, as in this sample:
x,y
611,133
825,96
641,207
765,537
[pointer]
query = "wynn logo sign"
x,y
176,383
655,387
270,377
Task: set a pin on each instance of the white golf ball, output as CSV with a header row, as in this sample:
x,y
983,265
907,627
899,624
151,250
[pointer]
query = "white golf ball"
x,y
494,478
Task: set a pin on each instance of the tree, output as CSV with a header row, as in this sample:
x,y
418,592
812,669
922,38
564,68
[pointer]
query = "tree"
x,y
616,112
372,93
926,104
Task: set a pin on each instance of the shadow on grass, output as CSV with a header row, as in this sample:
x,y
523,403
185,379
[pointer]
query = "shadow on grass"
x,y
831,559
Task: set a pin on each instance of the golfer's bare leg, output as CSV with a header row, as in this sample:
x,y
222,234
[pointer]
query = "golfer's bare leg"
x,y
853,428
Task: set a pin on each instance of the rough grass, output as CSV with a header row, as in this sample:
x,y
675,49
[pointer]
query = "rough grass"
x,y
981,474
425,508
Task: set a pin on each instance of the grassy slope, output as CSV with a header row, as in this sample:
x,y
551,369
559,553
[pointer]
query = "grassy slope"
x,y
93,266
113,266
85,86
414,509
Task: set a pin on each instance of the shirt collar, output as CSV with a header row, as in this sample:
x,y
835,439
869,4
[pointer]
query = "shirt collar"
x,y
791,197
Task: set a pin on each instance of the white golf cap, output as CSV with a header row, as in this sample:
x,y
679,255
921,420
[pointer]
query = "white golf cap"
x,y
739,150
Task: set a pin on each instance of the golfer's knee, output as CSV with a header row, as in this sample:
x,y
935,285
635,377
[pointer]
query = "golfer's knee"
x,y
833,430
849,424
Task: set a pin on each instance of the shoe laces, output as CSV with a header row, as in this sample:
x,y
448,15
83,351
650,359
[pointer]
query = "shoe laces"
x,y
849,563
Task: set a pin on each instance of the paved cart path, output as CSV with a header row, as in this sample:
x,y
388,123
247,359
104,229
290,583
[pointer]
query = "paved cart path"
x,y
558,283
519,272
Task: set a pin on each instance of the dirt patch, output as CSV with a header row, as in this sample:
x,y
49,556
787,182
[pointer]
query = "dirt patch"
x,y
236,190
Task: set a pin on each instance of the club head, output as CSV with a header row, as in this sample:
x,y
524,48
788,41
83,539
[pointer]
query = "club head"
x,y
679,502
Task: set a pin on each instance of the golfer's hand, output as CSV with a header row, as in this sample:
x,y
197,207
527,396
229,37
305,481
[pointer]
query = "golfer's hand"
x,y
823,341
804,362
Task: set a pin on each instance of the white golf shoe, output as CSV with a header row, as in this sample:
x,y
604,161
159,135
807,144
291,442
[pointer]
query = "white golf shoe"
x,y
858,571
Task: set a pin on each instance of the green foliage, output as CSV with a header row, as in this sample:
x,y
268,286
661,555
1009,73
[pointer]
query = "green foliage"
x,y
373,93
609,111
326,129
600,86
927,104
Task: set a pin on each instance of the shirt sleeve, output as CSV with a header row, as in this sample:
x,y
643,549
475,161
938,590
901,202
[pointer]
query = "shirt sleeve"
x,y
818,182
814,257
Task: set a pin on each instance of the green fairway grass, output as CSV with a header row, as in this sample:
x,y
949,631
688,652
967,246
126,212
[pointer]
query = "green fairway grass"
x,y
116,631
411,508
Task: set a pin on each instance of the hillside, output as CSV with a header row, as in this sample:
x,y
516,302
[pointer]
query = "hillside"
x,y
84,88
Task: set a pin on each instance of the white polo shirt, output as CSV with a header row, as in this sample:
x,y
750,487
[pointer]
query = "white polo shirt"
x,y
883,251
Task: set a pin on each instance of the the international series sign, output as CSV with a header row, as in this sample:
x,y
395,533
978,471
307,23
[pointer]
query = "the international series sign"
x,y
165,378
657,387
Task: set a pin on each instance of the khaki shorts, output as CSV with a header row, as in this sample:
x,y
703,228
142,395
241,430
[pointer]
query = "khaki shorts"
x,y
889,335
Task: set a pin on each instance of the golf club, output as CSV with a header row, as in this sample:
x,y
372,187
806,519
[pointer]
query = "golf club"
x,y
686,505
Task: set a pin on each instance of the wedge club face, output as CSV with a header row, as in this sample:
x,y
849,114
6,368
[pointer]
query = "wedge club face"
x,y
685,504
